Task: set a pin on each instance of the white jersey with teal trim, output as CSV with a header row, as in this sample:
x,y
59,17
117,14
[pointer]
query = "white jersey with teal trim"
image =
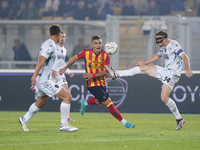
x,y
47,50
60,53
60,58
171,54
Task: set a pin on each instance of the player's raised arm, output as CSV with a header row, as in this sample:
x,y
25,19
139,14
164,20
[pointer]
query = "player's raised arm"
x,y
150,60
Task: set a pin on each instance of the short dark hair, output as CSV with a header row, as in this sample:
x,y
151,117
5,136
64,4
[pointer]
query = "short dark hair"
x,y
55,29
96,37
16,40
162,33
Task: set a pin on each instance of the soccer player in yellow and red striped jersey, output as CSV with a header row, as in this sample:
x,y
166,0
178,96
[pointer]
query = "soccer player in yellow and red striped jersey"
x,y
95,60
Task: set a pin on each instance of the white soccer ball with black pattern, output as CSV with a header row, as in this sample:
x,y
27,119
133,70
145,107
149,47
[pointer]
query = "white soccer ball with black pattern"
x,y
111,48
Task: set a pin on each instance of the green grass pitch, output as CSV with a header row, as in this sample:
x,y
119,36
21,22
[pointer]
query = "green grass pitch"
x,y
99,131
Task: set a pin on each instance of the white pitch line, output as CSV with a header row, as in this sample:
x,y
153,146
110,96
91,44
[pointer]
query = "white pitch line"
x,y
84,141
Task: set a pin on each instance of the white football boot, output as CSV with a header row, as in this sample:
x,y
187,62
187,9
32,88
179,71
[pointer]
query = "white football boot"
x,y
68,128
23,124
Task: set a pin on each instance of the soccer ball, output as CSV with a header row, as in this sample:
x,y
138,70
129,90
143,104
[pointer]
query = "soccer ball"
x,y
110,48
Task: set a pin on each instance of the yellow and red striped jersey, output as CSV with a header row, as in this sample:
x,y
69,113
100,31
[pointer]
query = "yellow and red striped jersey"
x,y
94,63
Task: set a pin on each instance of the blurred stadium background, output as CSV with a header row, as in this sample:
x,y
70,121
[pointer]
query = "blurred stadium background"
x,y
133,34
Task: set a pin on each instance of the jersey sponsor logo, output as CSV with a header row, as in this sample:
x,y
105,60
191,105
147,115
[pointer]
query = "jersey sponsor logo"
x,y
95,66
117,90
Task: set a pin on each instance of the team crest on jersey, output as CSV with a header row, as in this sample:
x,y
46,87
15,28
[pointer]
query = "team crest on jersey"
x,y
61,51
101,58
50,45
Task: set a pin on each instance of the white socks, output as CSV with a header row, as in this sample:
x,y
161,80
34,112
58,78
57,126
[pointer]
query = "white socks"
x,y
64,110
31,112
128,72
85,103
172,106
123,121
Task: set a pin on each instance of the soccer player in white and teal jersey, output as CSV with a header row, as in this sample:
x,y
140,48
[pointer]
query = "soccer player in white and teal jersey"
x,y
61,53
174,57
46,87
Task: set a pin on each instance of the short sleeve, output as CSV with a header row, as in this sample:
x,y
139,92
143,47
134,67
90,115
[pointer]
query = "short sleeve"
x,y
178,49
107,61
161,51
81,55
47,50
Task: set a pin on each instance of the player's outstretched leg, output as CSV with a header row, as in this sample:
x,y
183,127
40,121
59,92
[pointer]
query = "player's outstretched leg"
x,y
180,123
83,106
23,124
110,72
68,128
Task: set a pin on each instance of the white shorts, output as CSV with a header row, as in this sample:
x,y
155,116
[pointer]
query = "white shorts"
x,y
47,87
167,76
60,79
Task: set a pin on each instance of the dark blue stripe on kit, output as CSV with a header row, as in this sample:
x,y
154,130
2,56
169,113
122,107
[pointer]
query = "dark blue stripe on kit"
x,y
179,51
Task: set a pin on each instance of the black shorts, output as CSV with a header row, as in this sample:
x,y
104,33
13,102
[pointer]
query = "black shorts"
x,y
99,93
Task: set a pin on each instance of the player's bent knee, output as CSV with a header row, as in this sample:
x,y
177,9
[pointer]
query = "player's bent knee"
x,y
40,104
67,98
107,101
143,68
164,98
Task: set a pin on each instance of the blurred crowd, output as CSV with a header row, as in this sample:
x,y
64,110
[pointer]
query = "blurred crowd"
x,y
91,9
